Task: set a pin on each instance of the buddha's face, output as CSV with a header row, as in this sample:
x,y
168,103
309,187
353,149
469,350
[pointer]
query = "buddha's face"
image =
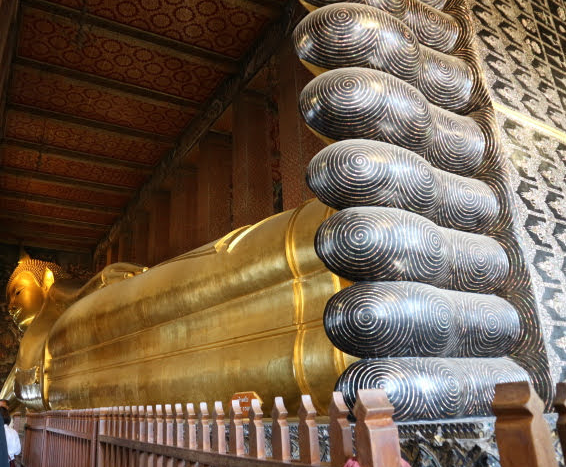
x,y
25,298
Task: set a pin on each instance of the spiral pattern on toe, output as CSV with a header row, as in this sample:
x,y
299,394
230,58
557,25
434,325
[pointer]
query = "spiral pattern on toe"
x,y
479,264
378,106
446,81
432,27
468,204
356,35
374,104
369,173
490,325
431,388
481,377
408,319
458,144
372,243
353,35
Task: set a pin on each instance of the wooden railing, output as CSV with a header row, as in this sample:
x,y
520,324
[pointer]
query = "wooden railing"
x,y
182,435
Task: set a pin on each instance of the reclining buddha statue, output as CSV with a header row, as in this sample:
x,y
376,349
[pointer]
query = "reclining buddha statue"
x,y
417,284
242,313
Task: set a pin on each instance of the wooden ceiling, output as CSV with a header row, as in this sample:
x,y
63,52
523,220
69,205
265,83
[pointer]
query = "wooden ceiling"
x,y
104,97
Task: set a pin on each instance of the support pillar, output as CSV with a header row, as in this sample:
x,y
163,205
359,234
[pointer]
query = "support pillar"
x,y
252,179
125,247
112,254
183,225
158,235
140,238
298,144
214,199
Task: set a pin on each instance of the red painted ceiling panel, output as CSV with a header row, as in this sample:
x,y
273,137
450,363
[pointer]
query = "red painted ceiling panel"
x,y
55,229
221,26
60,41
28,159
39,209
78,138
70,193
60,94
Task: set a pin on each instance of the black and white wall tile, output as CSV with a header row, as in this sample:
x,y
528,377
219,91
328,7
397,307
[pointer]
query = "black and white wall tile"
x,y
522,44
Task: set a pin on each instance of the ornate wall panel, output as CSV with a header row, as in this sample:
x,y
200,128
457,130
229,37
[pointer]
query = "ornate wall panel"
x,y
523,53
406,74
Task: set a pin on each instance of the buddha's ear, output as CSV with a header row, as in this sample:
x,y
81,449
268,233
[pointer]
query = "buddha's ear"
x,y
48,279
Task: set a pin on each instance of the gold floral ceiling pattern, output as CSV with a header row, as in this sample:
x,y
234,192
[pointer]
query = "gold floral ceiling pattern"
x,y
99,92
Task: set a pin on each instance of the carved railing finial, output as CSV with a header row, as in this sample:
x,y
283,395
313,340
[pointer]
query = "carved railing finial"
x,y
280,440
377,439
522,434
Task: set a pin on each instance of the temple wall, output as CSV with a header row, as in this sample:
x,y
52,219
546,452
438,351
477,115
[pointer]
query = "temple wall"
x,y
523,48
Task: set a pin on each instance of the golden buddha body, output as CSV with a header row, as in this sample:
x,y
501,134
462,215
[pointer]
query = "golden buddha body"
x,y
243,313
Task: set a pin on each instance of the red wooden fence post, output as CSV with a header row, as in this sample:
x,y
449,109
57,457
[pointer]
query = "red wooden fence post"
x,y
560,407
309,448
218,429
236,432
280,431
257,430
522,434
377,439
204,428
341,446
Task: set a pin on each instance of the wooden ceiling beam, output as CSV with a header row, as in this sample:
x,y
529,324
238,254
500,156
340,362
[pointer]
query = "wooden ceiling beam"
x,y
218,61
77,155
107,83
18,216
269,8
67,118
58,202
252,62
10,21
65,181
50,245
17,231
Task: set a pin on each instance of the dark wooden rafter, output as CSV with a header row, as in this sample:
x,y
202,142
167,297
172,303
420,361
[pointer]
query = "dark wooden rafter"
x,y
266,7
10,21
58,202
78,156
121,130
17,231
213,108
22,216
44,243
196,54
65,181
107,83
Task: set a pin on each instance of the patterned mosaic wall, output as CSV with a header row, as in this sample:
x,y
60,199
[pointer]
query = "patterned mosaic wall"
x,y
523,47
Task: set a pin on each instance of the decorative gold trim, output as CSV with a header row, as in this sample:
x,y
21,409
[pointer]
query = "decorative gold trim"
x,y
532,122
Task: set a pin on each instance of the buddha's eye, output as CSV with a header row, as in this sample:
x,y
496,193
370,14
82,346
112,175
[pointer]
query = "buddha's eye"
x,y
18,291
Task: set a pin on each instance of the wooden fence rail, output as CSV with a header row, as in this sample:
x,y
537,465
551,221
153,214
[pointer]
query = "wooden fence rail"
x,y
180,436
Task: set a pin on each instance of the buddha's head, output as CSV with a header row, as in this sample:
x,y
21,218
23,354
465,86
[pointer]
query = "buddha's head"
x,y
27,288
